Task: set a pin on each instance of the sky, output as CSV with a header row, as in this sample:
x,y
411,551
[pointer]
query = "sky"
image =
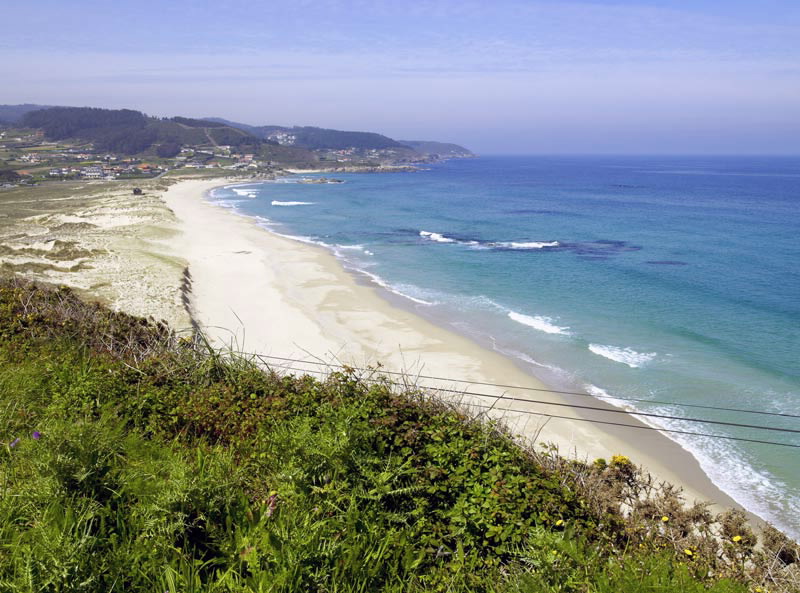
x,y
549,76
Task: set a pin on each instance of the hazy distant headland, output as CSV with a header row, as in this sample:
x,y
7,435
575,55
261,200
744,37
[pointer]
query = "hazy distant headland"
x,y
40,143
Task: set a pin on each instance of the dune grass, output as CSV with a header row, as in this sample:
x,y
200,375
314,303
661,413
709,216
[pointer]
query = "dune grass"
x,y
131,460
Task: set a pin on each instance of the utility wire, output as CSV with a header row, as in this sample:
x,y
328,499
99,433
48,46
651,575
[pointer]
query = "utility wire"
x,y
546,415
573,393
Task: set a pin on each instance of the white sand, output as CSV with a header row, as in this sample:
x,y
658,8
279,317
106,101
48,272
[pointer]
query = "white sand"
x,y
259,292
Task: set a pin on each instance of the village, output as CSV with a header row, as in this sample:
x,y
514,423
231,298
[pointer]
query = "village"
x,y
27,157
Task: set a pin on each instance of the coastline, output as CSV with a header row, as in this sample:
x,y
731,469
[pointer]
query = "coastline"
x,y
255,291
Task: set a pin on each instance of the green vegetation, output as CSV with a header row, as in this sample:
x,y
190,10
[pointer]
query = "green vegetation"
x,y
132,460
197,123
11,114
131,132
442,149
321,138
42,141
10,176
314,138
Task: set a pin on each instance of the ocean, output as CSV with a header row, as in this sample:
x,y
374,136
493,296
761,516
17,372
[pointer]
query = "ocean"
x,y
666,285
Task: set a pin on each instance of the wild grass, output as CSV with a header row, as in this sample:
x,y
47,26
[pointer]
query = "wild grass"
x,y
131,460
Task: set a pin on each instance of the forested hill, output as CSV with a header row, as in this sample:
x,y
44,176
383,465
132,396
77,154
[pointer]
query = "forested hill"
x,y
11,114
130,132
317,138
324,138
441,149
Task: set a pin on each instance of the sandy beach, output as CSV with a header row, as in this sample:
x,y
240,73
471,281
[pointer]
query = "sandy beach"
x,y
255,291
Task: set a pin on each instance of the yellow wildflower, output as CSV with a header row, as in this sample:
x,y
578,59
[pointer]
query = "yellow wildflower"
x,y
559,523
688,552
665,518
737,538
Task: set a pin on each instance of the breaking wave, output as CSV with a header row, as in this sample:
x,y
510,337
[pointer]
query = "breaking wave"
x,y
525,244
539,322
440,238
624,355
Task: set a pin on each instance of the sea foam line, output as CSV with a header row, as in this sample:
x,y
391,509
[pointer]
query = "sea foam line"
x,y
437,237
725,464
539,322
517,245
279,203
525,244
338,248
247,193
393,289
627,356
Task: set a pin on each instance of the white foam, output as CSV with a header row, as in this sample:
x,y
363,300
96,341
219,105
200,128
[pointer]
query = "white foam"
x,y
725,463
624,355
755,488
393,289
436,237
263,222
525,358
539,322
601,393
278,203
302,239
248,193
526,244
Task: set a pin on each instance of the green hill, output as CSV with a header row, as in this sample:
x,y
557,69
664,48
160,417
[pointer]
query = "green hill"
x,y
135,461
131,132
128,131
441,149
323,138
11,114
319,138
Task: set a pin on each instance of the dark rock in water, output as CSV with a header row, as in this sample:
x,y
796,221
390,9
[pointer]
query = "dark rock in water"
x,y
600,248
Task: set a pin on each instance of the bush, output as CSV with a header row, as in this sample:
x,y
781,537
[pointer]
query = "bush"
x,y
133,461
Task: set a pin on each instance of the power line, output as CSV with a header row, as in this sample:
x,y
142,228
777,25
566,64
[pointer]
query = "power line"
x,y
546,415
527,388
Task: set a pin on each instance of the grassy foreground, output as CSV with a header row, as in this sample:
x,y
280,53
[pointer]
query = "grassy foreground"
x,y
134,461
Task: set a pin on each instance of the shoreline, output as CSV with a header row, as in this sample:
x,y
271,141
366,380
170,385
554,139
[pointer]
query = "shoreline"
x,y
256,291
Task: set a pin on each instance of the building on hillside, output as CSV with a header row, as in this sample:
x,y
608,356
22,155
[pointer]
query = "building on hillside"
x,y
92,172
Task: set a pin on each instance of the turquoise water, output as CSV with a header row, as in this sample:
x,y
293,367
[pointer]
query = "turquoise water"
x,y
661,279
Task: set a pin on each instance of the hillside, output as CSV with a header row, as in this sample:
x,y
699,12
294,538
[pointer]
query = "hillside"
x,y
131,132
317,138
135,461
441,149
323,138
11,114
128,131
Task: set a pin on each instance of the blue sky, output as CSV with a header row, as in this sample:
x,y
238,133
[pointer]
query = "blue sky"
x,y
539,77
